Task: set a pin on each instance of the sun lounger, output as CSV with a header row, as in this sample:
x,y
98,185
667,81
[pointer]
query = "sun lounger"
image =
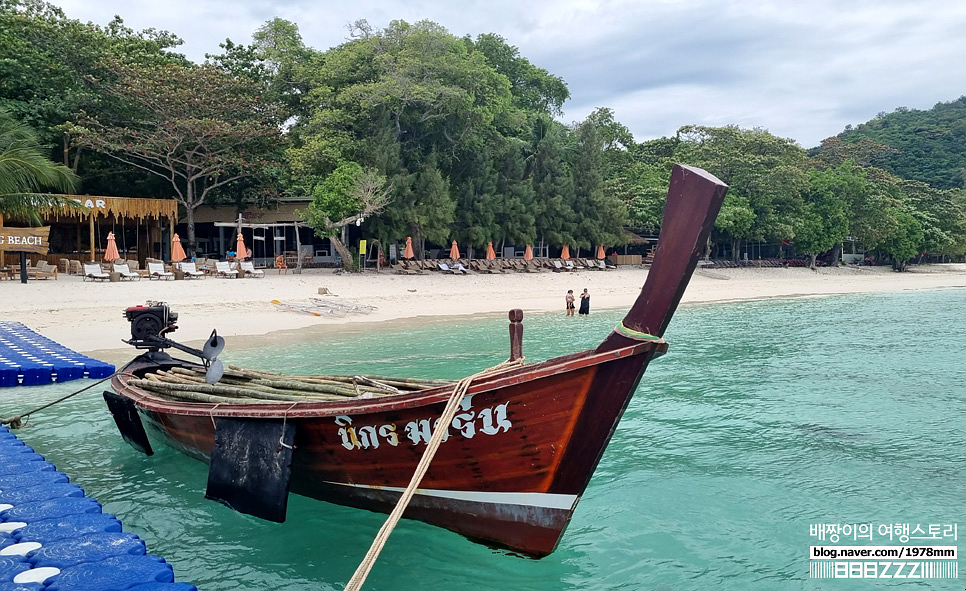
x,y
190,271
250,271
43,270
126,273
156,271
453,270
558,267
76,268
225,271
93,272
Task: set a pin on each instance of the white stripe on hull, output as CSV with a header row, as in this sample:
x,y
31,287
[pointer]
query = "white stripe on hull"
x,y
542,500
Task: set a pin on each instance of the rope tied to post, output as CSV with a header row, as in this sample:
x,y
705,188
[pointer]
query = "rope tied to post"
x,y
452,405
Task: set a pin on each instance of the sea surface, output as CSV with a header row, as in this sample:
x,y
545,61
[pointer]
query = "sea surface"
x,y
762,420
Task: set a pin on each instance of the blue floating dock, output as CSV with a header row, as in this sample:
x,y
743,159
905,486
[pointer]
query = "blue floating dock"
x,y
54,538
28,359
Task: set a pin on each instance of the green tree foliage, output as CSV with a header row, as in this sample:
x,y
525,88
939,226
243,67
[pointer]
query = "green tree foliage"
x,y
46,59
824,221
927,146
906,240
25,173
534,89
553,186
600,213
462,129
734,222
346,196
194,126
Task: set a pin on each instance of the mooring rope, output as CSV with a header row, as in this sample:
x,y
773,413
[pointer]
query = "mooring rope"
x,y
359,577
16,421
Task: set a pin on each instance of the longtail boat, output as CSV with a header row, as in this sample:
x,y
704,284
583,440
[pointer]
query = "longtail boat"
x,y
516,457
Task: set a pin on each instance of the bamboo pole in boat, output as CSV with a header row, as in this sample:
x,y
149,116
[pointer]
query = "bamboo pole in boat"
x,y
227,391
294,387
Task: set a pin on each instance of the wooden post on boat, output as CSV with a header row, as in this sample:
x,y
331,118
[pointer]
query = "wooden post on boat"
x,y
693,200
516,334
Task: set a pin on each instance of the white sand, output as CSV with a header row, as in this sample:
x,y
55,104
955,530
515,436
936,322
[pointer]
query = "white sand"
x,y
87,316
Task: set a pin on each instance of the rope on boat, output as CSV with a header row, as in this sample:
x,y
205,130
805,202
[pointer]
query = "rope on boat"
x,y
359,577
635,334
18,421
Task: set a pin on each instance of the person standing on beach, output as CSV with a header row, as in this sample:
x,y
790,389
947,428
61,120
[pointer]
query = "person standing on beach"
x,y
584,303
570,302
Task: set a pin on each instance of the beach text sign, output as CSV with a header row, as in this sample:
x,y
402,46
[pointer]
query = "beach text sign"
x,y
25,239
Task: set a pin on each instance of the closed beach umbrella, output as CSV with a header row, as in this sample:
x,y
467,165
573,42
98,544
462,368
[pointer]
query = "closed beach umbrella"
x,y
111,253
454,251
408,251
600,252
565,253
490,254
240,250
528,253
177,251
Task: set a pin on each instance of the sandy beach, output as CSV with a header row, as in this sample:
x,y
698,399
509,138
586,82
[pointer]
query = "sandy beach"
x,y
87,316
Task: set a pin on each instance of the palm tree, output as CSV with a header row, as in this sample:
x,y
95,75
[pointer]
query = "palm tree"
x,y
25,173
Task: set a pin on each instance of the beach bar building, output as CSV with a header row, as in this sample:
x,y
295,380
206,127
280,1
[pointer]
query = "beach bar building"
x,y
142,228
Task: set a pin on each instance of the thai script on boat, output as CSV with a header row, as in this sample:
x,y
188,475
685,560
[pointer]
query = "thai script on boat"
x,y
467,422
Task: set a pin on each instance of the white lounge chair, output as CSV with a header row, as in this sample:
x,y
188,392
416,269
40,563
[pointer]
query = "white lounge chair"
x,y
190,270
447,269
93,272
224,270
156,271
250,270
126,273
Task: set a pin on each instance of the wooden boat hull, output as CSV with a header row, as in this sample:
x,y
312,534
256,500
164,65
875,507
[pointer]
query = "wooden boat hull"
x,y
518,453
516,460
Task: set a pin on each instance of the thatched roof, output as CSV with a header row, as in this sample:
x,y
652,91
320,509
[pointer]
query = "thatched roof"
x,y
634,238
120,207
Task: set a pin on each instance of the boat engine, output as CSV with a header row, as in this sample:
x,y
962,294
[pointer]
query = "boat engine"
x,y
151,320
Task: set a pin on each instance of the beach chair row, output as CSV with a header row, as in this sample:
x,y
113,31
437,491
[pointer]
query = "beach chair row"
x,y
508,265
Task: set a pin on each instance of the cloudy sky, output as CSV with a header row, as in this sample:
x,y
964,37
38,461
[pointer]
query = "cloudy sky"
x,y
800,69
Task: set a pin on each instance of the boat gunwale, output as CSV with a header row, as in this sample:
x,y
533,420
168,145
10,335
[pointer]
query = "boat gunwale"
x,y
356,406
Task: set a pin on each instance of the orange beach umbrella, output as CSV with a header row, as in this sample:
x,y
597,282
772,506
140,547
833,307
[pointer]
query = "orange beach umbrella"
x,y
565,253
177,251
528,253
454,251
111,254
240,250
490,254
408,251
600,252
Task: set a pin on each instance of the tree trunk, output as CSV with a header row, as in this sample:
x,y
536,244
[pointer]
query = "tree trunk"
x,y
76,163
340,247
735,246
811,262
190,221
836,260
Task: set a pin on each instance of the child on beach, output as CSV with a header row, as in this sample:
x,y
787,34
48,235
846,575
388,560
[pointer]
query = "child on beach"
x,y
570,302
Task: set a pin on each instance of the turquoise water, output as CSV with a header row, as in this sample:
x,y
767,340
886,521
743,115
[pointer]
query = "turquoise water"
x,y
762,419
